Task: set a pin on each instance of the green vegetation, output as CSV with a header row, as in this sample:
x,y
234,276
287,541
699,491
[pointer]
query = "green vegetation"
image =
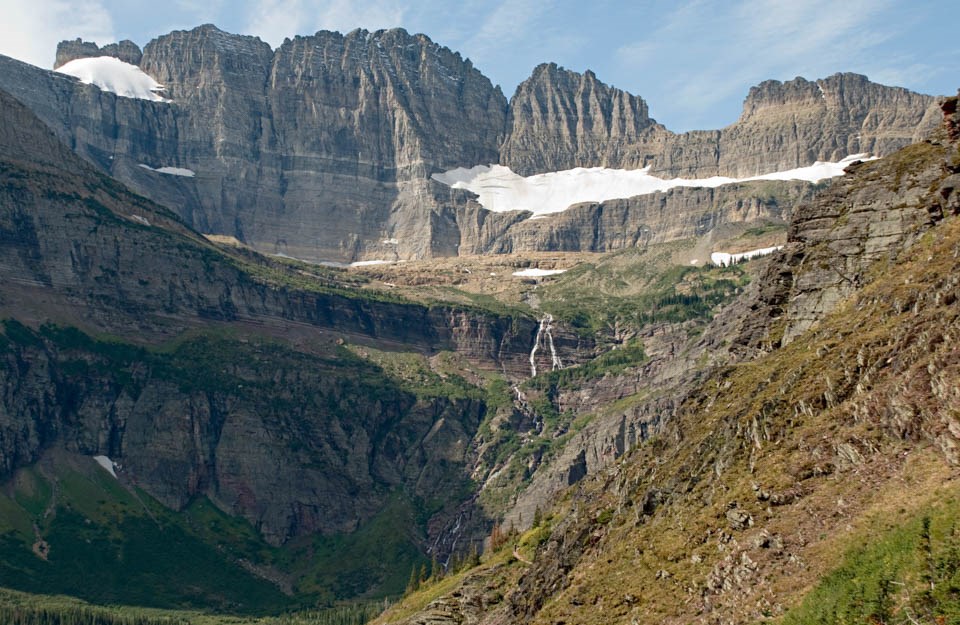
x,y
610,363
108,544
633,288
104,546
414,374
378,555
19,608
907,573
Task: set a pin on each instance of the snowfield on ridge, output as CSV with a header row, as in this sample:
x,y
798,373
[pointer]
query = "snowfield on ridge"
x,y
115,76
501,190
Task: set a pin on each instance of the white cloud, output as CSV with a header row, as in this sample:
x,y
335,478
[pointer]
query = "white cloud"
x,y
30,31
718,54
514,36
511,22
903,75
346,15
200,11
275,20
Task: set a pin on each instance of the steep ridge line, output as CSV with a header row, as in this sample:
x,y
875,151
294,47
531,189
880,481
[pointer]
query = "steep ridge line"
x,y
784,457
313,115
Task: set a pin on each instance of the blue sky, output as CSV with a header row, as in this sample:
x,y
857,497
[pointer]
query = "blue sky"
x,y
692,61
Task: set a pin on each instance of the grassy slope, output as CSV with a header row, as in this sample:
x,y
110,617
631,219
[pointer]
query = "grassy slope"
x,y
635,287
109,544
836,447
20,608
849,446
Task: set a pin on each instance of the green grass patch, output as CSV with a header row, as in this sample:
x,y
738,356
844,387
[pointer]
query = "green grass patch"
x,y
634,288
106,548
610,363
909,572
374,561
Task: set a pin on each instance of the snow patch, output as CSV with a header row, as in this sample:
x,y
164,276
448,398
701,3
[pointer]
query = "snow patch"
x,y
536,273
390,242
107,464
140,219
115,76
723,259
367,263
500,189
171,171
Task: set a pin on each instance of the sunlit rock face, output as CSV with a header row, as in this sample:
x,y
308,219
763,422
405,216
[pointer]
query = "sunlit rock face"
x,y
324,148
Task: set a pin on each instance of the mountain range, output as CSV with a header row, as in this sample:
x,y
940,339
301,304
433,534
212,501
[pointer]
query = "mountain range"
x,y
323,149
203,408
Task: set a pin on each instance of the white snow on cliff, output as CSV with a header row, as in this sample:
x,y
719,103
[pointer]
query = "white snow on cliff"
x,y
501,190
370,263
107,464
537,273
723,259
171,171
115,76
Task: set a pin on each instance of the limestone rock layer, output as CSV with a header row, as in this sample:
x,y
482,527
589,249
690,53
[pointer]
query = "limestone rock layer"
x,y
323,148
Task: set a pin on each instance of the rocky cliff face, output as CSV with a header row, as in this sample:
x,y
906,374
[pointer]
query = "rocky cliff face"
x,y
323,148
297,437
561,120
836,241
797,122
296,444
681,213
126,51
317,145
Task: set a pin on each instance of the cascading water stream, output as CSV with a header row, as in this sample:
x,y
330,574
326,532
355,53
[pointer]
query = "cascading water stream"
x,y
544,330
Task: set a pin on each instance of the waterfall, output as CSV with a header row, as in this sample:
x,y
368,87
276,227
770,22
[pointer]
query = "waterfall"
x,y
533,352
544,330
523,406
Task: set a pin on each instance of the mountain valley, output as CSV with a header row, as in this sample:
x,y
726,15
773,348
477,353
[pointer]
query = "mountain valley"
x,y
262,364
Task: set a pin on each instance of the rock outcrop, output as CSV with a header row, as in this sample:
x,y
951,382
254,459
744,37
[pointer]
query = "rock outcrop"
x,y
833,242
125,50
323,148
561,120
297,437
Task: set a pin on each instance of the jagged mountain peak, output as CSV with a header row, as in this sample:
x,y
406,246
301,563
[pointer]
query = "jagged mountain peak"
x,y
837,91
561,119
126,50
282,139
206,35
552,74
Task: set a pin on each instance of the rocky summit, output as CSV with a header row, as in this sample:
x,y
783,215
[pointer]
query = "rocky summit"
x,y
718,401
323,149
